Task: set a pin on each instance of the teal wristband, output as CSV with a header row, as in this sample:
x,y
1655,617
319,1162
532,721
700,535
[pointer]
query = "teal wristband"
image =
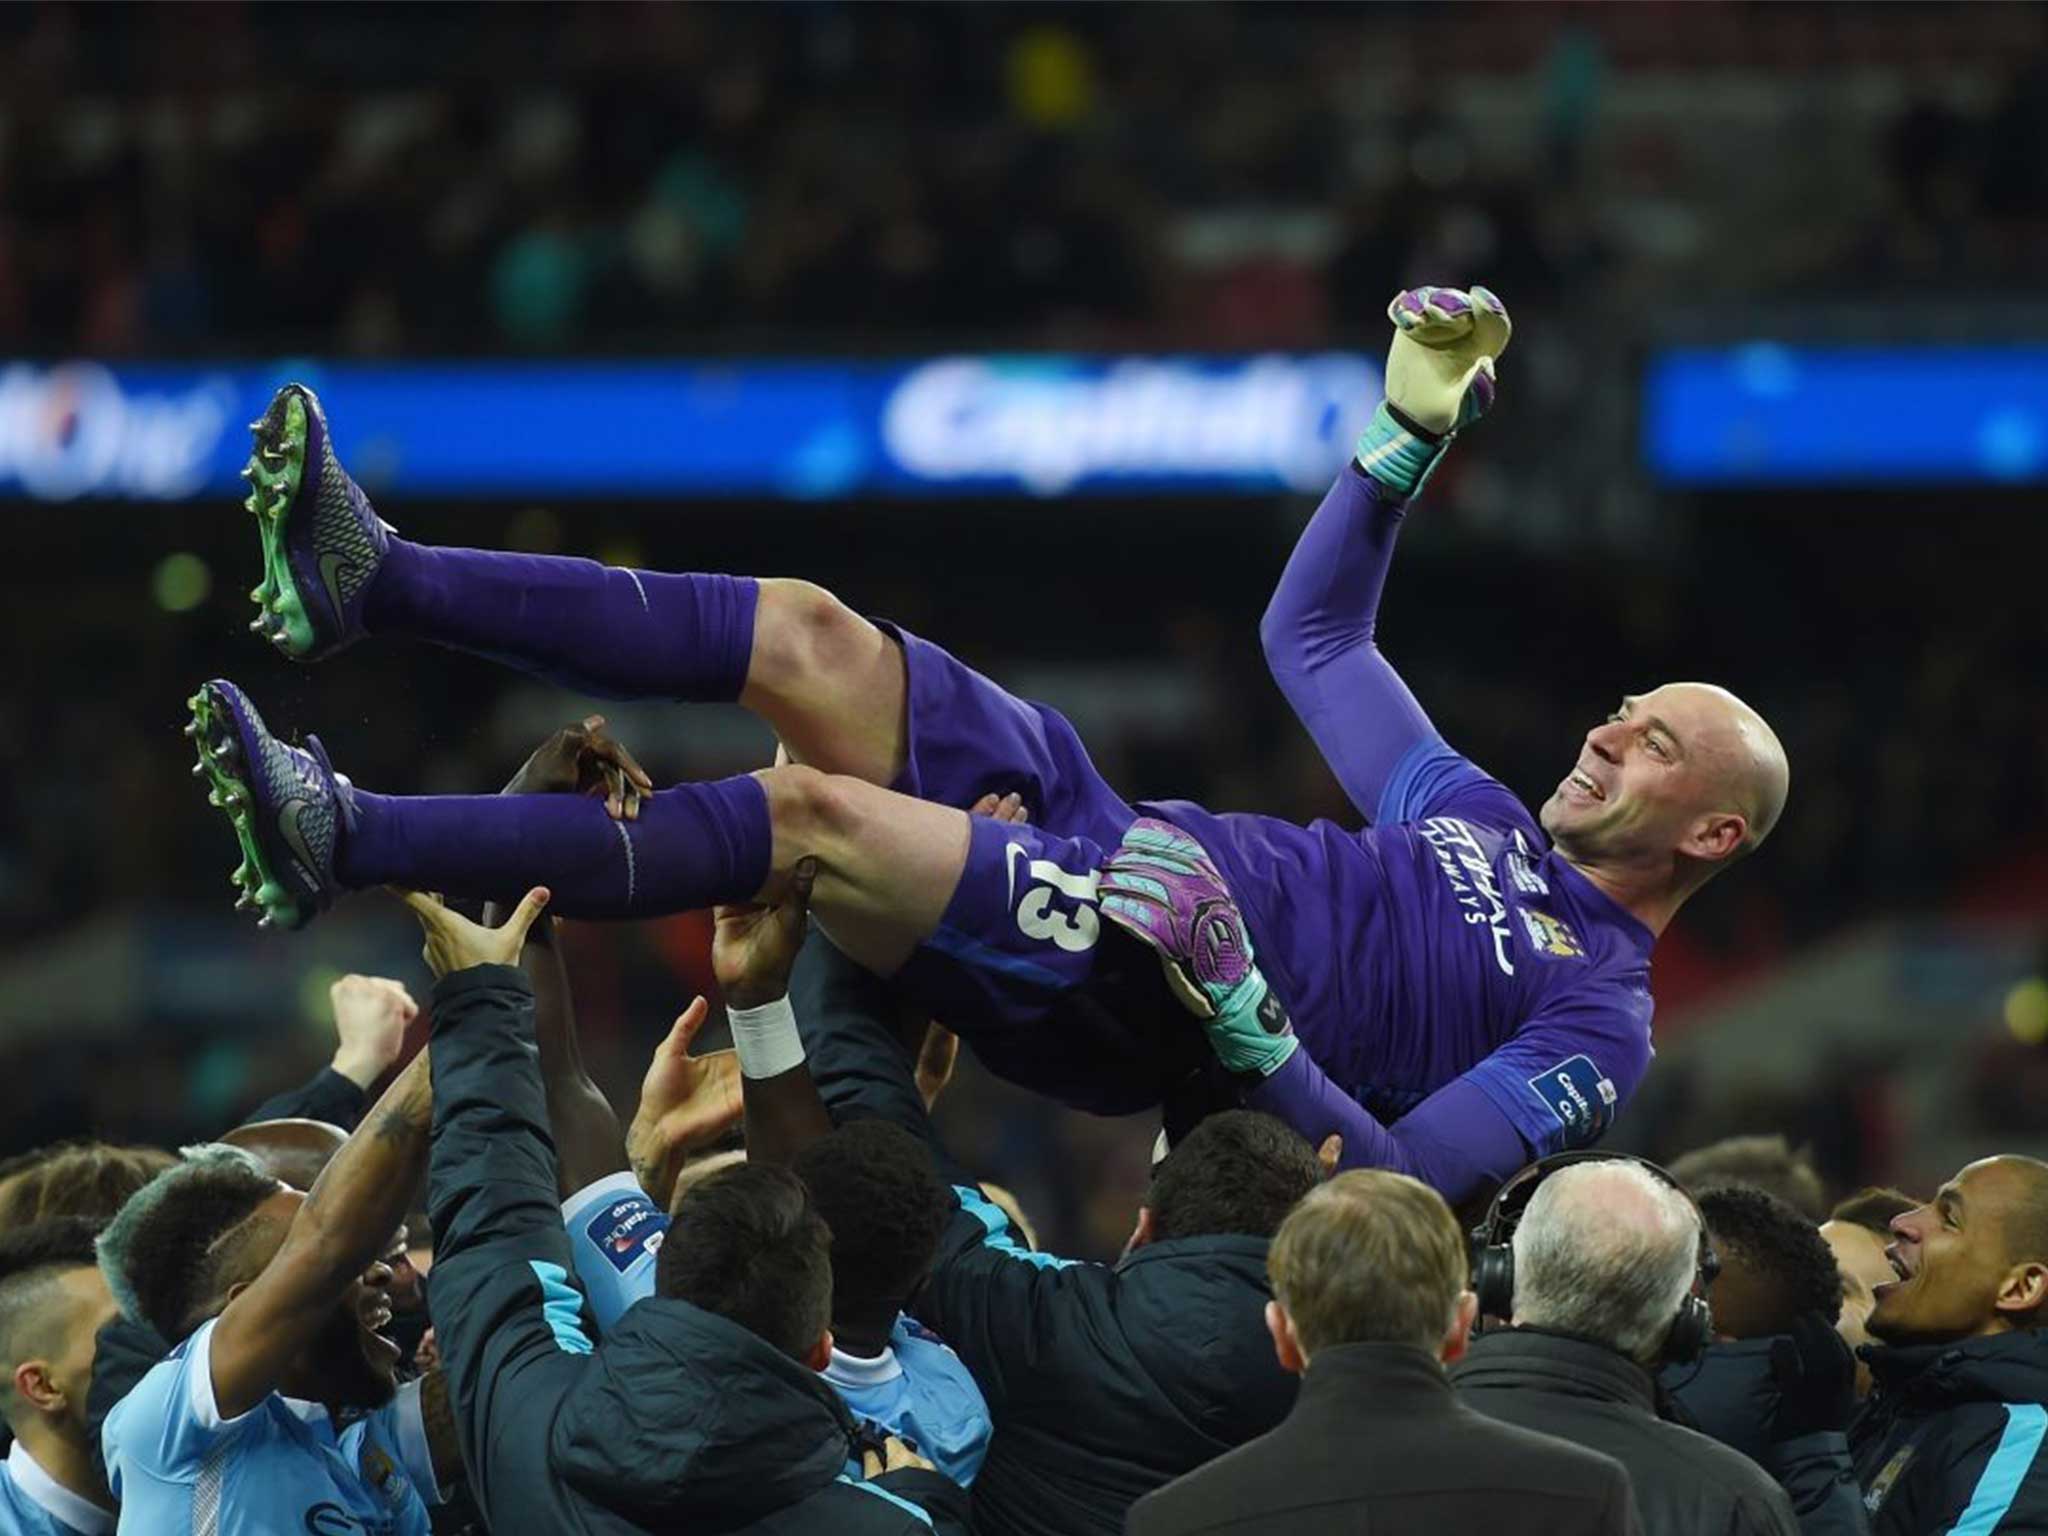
x,y
1399,458
1251,1033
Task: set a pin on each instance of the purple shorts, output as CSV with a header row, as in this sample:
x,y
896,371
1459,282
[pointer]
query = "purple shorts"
x,y
969,738
1021,965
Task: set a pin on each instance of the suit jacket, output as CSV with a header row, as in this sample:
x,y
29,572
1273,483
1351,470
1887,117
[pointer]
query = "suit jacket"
x,y
1377,1443
1686,1484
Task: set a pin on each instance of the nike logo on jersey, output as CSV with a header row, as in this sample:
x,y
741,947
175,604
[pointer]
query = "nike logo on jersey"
x,y
1013,855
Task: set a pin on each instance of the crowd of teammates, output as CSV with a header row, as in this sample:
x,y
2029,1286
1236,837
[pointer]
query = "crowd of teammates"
x,y
774,1302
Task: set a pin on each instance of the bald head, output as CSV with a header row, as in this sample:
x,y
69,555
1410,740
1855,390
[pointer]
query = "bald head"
x,y
1972,1261
2017,1191
1669,789
291,1151
1741,751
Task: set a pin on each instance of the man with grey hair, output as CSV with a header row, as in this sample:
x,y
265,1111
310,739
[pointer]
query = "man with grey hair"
x,y
1607,1252
1605,1256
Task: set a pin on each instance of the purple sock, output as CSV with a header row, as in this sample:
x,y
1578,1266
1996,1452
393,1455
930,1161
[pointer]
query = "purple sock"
x,y
597,629
693,845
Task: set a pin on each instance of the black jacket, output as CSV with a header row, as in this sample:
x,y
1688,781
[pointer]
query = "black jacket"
x,y
1951,1437
1685,1483
1731,1394
1103,1382
679,1420
326,1096
1365,1449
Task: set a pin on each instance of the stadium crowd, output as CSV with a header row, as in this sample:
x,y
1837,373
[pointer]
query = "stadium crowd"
x,y
662,176
773,1301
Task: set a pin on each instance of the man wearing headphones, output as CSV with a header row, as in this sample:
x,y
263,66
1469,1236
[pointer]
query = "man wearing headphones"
x,y
1598,1264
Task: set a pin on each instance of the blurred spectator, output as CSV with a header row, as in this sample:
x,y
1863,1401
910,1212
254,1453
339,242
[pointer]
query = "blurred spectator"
x,y
1369,1302
1760,1162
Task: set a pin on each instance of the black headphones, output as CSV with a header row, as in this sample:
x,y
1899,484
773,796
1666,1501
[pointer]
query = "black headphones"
x,y
1493,1253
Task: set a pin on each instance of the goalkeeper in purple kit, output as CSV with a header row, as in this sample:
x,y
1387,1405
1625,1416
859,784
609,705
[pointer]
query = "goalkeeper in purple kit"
x,y
1454,989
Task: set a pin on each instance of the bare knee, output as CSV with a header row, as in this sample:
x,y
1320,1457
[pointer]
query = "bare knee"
x,y
812,812
804,636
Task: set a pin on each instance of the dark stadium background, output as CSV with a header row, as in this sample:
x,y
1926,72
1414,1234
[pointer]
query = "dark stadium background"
x,y
897,182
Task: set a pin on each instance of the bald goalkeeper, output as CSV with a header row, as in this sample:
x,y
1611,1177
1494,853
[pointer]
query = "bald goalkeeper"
x,y
1455,988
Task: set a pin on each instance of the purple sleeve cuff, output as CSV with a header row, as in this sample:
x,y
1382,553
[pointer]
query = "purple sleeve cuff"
x,y
1455,1141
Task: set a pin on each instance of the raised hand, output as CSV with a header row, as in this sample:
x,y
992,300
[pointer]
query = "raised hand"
x,y
585,759
370,1018
1440,368
754,948
454,943
686,1102
1439,379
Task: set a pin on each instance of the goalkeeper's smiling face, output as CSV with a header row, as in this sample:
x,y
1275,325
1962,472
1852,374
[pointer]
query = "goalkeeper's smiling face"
x,y
1686,776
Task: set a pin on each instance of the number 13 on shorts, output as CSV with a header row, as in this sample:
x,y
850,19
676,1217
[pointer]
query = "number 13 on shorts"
x,y
1074,925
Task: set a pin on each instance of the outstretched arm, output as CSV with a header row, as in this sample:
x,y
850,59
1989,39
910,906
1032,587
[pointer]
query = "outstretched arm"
x,y
371,1014
354,1207
1318,630
508,1315
1318,635
589,1145
1555,1085
753,951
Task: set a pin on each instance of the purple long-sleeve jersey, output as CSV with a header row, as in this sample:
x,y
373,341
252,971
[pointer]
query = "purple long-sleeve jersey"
x,y
1466,999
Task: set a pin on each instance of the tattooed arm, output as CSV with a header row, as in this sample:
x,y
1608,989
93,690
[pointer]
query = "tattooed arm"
x,y
356,1205
437,1413
336,1233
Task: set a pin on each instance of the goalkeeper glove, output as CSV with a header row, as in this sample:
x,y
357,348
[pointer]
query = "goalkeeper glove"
x,y
1162,886
1439,381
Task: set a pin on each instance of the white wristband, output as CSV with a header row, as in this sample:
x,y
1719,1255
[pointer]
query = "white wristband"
x,y
766,1039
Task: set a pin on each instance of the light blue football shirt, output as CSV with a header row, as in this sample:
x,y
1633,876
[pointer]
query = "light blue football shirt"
x,y
917,1389
176,1465
615,1235
33,1504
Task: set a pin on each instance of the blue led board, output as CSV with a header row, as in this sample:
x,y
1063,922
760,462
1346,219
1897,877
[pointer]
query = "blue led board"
x,y
1769,415
986,425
